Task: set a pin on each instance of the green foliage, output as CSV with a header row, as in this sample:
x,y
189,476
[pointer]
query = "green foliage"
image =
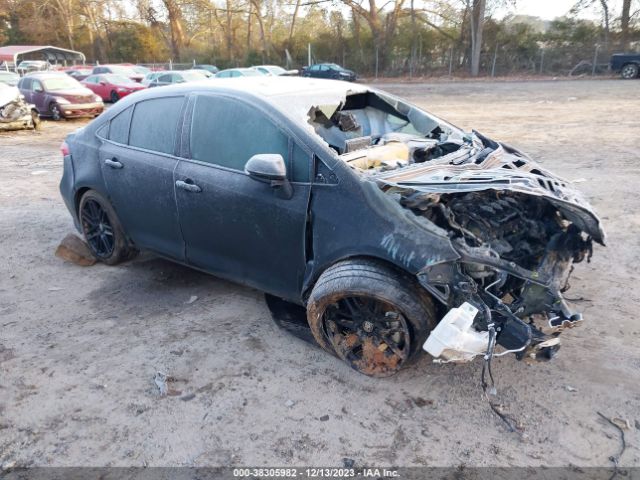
x,y
135,42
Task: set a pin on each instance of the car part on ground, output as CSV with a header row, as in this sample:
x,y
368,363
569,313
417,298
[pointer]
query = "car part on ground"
x,y
387,218
15,113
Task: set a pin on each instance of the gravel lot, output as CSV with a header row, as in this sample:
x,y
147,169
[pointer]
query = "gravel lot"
x,y
79,346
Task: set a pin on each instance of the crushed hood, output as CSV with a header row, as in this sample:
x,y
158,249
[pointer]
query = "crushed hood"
x,y
487,165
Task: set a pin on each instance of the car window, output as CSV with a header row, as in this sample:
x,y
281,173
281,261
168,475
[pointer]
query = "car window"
x,y
119,127
25,84
36,85
154,124
324,68
228,133
92,79
164,78
300,164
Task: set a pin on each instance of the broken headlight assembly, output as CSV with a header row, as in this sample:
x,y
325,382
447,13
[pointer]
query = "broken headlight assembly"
x,y
516,255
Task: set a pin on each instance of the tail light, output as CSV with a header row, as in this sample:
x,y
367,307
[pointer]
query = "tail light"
x,y
64,148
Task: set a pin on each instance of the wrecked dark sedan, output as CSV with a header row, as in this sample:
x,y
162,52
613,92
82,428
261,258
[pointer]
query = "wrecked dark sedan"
x,y
389,229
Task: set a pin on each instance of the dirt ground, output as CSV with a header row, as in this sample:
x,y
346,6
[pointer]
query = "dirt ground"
x,y
79,346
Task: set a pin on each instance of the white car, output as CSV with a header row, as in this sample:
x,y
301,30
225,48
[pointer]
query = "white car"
x,y
274,70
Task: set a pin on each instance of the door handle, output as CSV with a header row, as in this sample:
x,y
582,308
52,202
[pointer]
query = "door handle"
x,y
113,163
188,185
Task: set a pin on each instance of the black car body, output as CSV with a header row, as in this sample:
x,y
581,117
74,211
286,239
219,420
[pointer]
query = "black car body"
x,y
329,70
374,215
626,64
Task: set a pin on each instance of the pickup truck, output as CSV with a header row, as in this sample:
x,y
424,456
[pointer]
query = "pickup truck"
x,y
628,64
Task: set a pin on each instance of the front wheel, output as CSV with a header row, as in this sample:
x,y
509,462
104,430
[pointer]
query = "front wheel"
x,y
629,71
114,97
56,114
372,317
102,230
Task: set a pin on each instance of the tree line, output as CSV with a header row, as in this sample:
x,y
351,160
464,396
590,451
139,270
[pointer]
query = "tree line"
x,y
381,37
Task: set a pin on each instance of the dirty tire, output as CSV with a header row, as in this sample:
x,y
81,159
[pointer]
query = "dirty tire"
x,y
56,114
102,230
629,71
393,316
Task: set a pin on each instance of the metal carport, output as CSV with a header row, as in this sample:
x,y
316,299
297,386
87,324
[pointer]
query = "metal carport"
x,y
13,54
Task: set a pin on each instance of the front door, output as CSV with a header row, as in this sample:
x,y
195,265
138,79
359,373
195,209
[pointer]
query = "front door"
x,y
137,164
38,96
235,226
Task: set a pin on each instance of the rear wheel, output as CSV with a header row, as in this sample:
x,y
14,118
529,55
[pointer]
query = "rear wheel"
x,y
629,71
102,230
371,316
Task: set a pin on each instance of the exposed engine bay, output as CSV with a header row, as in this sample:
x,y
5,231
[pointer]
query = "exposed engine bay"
x,y
518,229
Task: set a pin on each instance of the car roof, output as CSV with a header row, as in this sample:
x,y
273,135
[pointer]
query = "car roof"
x,y
292,96
44,74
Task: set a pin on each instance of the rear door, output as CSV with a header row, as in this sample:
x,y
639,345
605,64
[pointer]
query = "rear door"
x,y
235,226
137,160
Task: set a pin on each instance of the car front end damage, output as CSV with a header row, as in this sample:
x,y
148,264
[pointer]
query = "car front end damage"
x,y
517,229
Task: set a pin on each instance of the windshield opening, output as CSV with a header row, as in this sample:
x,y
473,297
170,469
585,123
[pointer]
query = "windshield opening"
x,y
60,83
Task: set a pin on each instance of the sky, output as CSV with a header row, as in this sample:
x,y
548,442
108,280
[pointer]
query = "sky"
x,y
545,9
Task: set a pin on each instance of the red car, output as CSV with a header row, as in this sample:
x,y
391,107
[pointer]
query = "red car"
x,y
111,87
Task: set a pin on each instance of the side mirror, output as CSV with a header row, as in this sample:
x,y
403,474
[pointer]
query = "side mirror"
x,y
270,168
266,167
102,82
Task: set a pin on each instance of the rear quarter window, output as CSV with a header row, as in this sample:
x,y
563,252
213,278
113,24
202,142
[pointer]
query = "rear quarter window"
x,y
119,127
154,124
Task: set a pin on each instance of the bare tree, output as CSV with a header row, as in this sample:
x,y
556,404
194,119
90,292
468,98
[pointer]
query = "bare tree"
x,y
477,27
624,24
382,23
174,14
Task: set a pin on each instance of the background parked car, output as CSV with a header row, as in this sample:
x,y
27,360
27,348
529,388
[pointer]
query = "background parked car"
x,y
151,76
79,73
59,96
111,87
28,66
209,68
124,70
9,78
329,70
238,72
141,69
274,70
178,76
627,64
